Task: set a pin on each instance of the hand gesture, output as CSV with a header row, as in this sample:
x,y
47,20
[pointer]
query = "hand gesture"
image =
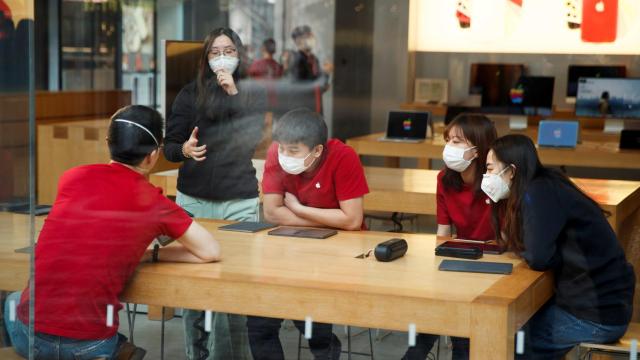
x,y
225,80
190,148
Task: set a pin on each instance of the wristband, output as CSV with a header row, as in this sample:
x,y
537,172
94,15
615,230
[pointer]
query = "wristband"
x,y
154,257
184,153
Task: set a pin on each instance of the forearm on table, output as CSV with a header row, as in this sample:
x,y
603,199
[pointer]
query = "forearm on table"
x,y
282,215
335,218
173,253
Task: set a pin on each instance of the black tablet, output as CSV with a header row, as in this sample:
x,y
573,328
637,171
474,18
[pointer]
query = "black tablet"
x,y
476,266
247,226
311,233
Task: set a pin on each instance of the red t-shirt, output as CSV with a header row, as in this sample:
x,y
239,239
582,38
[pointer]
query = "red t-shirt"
x,y
103,219
339,177
468,212
265,69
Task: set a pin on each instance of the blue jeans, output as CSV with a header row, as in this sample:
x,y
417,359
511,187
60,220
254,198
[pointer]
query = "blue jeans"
x,y
552,332
52,347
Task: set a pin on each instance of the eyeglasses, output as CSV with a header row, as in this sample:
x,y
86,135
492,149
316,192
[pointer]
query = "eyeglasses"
x,y
227,51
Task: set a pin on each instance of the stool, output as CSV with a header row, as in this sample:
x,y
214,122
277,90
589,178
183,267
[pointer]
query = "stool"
x,y
621,347
348,352
396,218
8,353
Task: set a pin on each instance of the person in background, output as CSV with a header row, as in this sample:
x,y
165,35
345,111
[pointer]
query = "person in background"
x,y
215,124
269,71
101,224
308,181
542,216
461,203
307,80
266,67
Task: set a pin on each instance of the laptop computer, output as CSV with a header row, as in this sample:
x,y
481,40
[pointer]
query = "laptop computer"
x,y
407,126
558,133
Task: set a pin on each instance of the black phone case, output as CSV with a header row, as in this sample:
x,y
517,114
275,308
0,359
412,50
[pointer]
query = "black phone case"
x,y
470,252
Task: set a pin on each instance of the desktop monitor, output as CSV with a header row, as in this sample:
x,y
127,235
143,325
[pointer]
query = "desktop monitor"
x,y
605,97
591,71
534,94
494,82
613,99
179,67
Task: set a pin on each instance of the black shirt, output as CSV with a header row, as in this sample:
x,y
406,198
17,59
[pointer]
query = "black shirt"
x,y
566,232
231,127
305,83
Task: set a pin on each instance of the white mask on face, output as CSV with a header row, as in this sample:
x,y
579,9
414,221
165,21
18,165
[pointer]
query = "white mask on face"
x,y
293,165
224,62
310,44
454,158
494,186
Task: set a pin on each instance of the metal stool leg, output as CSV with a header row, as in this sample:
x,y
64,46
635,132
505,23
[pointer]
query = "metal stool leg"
x,y
371,343
299,344
131,319
349,342
162,336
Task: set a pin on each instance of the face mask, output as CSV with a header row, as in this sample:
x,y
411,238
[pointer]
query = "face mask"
x,y
308,44
224,62
494,186
292,165
454,158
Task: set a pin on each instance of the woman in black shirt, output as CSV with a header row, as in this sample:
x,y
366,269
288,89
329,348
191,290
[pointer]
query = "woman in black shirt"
x,y
214,127
542,216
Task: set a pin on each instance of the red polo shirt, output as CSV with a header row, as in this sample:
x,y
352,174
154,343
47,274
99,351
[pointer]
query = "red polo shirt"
x,y
103,219
468,212
339,177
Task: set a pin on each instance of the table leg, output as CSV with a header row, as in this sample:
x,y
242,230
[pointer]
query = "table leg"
x,y
492,333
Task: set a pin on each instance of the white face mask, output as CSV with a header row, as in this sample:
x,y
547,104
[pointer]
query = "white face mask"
x,y
309,44
224,62
454,158
293,165
494,186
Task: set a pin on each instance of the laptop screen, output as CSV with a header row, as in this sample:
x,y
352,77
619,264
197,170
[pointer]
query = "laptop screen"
x,y
407,125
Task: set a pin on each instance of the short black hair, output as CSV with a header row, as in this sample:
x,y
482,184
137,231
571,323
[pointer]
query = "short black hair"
x,y
300,30
269,46
129,143
301,126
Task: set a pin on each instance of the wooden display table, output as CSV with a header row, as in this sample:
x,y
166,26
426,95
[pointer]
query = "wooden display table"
x,y
261,275
597,150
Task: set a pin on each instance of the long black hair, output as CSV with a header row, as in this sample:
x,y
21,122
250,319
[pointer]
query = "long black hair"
x,y
519,152
209,93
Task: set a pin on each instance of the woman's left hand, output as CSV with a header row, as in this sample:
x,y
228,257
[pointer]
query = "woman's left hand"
x,y
226,81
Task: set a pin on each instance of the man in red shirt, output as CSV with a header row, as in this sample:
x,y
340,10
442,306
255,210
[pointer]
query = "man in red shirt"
x,y
307,181
104,218
267,67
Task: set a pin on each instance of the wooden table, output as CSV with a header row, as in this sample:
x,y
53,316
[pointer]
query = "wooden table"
x,y
414,191
597,150
295,278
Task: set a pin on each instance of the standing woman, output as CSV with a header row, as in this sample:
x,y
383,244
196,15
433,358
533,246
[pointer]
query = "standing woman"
x,y
461,202
214,128
542,216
